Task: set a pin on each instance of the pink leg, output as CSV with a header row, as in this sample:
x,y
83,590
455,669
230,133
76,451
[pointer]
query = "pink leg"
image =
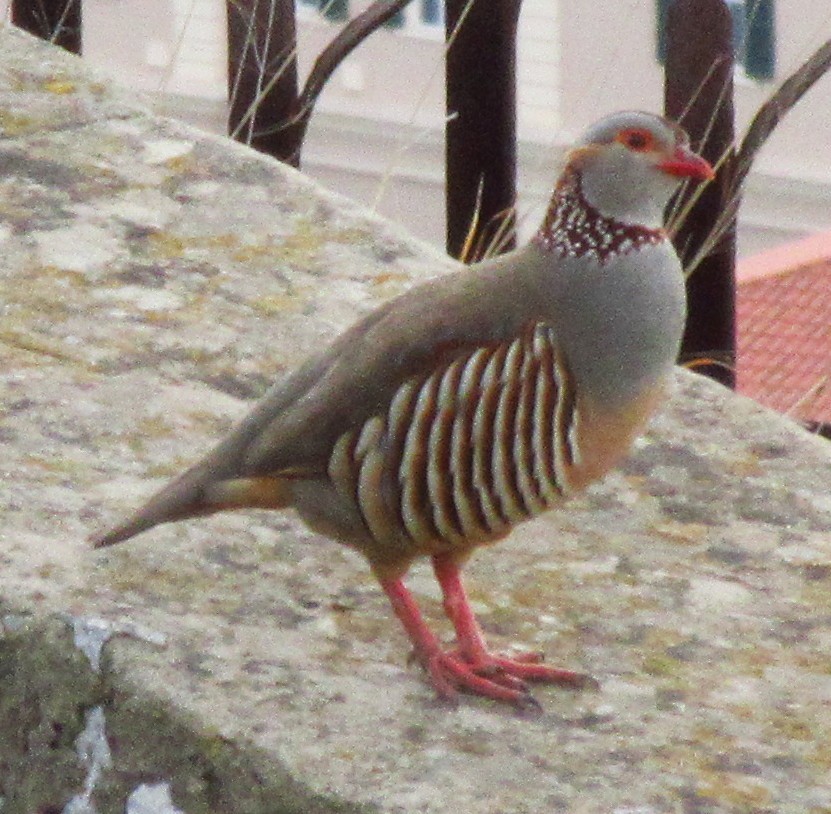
x,y
447,671
472,648
470,668
427,647
469,636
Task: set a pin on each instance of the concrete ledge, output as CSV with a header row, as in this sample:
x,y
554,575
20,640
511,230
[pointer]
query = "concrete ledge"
x,y
153,281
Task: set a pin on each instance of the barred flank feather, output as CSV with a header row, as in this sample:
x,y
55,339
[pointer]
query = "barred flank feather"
x,y
467,452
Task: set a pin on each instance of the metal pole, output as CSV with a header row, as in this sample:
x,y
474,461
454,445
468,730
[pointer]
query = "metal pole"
x,y
57,21
699,95
481,130
262,76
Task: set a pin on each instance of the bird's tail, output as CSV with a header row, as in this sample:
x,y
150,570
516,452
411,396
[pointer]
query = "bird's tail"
x,y
177,500
192,495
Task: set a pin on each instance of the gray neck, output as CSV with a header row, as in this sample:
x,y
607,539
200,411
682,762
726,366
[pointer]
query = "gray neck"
x,y
624,192
620,325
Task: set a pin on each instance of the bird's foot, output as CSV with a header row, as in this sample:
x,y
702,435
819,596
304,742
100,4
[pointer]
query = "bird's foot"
x,y
470,667
529,667
498,677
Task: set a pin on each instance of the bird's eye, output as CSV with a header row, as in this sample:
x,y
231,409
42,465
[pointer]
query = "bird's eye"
x,y
637,140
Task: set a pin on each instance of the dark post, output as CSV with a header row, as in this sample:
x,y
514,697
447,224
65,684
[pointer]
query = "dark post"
x,y
699,94
481,133
262,76
58,21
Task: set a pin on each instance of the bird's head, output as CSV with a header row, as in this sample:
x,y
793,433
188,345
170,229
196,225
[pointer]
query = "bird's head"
x,y
630,163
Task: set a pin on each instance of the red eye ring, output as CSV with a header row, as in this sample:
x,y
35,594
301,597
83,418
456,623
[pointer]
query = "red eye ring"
x,y
636,139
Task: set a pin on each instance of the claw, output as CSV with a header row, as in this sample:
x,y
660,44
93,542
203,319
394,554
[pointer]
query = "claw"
x,y
532,670
529,704
498,678
470,668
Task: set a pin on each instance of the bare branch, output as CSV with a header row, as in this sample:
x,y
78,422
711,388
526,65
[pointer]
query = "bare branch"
x,y
773,111
349,38
767,118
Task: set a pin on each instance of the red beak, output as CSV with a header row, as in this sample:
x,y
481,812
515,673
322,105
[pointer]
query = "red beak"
x,y
687,164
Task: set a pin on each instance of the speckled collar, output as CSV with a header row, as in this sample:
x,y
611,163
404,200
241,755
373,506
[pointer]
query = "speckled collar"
x,y
574,228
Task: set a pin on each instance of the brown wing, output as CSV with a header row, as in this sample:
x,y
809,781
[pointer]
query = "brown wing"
x,y
297,425
461,455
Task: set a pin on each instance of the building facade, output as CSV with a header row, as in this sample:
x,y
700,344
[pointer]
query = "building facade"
x,y
377,132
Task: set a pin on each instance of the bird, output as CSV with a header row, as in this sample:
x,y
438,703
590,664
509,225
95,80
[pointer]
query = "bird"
x,y
476,400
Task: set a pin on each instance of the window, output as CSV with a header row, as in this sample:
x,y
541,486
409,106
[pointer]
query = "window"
x,y
432,12
423,16
331,9
753,35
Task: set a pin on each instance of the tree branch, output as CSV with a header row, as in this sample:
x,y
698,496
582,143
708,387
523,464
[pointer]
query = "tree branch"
x,y
767,118
349,38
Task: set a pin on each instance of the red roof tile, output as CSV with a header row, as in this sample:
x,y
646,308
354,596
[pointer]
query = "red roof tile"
x,y
783,316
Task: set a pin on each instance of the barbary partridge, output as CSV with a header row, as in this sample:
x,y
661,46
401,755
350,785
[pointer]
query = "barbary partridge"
x,y
476,400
